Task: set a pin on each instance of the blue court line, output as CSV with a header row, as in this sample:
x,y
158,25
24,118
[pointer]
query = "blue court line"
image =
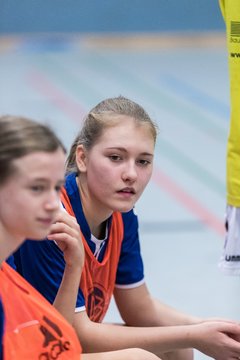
x,y
156,94
180,195
196,96
61,76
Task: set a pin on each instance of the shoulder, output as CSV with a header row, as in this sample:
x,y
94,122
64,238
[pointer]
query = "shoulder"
x,y
130,221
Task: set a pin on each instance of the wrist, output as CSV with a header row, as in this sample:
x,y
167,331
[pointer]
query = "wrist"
x,y
73,266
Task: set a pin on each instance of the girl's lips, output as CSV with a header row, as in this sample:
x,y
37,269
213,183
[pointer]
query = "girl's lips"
x,y
127,190
126,193
46,221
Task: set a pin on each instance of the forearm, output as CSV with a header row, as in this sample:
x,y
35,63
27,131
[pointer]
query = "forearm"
x,y
65,301
138,308
126,354
105,337
210,337
160,314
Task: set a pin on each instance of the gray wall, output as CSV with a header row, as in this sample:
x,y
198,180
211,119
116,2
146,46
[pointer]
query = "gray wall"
x,y
20,16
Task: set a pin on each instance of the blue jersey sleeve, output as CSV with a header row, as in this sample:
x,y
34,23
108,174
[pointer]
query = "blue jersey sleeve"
x,y
130,268
11,262
1,330
42,264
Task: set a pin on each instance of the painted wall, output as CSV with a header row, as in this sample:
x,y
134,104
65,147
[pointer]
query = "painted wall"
x,y
20,16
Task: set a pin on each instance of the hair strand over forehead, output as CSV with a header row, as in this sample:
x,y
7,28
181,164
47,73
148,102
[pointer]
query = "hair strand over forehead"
x,y
105,114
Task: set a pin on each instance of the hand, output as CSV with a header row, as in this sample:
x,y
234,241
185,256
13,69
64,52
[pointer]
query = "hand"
x,y
66,233
217,339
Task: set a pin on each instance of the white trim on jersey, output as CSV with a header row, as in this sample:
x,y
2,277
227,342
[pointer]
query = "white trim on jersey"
x,y
80,309
130,286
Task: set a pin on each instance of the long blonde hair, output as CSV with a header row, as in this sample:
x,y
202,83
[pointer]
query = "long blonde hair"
x,y
103,115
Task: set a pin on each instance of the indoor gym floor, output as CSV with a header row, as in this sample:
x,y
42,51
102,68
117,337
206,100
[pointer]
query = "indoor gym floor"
x,y
183,83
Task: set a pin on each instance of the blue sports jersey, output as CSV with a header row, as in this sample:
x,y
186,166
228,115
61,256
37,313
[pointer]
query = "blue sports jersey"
x,y
42,262
11,261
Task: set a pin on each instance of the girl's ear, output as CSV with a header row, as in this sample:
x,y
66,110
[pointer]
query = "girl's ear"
x,y
81,158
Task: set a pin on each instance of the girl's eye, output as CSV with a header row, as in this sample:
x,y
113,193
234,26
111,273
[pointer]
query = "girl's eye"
x,y
144,162
58,188
115,157
37,188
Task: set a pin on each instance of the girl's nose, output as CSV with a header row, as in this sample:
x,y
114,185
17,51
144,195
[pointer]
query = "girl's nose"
x,y
53,201
129,172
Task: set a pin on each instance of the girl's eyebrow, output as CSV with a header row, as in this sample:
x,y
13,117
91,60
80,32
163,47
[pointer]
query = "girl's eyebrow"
x,y
46,180
125,150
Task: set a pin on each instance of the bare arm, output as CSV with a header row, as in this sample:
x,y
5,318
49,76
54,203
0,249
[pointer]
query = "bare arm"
x,y
66,233
138,308
211,338
127,354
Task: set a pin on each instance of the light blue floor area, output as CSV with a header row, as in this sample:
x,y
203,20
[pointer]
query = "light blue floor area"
x,y
184,86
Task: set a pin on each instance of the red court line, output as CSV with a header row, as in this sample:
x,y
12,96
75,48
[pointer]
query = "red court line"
x,y
195,207
74,110
62,101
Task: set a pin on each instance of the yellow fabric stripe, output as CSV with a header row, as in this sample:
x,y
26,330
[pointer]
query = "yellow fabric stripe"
x,y
231,13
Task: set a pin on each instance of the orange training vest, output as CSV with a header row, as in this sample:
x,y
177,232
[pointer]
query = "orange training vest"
x,y
33,329
98,278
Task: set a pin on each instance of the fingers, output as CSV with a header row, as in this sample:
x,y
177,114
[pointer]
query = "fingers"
x,y
220,320
63,216
69,228
232,328
67,235
65,223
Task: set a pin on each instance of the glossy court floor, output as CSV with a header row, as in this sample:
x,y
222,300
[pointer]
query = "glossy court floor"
x,y
183,83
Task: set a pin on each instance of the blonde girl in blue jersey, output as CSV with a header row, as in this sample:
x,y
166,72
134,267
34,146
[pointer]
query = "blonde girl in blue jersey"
x,y
109,166
32,163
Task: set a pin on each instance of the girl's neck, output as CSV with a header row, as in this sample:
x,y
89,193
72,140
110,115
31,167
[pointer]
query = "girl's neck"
x,y
100,231
8,243
94,214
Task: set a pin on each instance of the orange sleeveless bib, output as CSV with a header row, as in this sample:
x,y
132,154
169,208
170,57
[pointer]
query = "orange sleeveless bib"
x,y
98,279
33,329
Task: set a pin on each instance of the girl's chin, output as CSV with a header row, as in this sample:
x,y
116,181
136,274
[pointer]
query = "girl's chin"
x,y
124,209
40,235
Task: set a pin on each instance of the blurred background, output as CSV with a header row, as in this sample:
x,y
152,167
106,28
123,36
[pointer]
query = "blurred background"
x,y
59,58
32,16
